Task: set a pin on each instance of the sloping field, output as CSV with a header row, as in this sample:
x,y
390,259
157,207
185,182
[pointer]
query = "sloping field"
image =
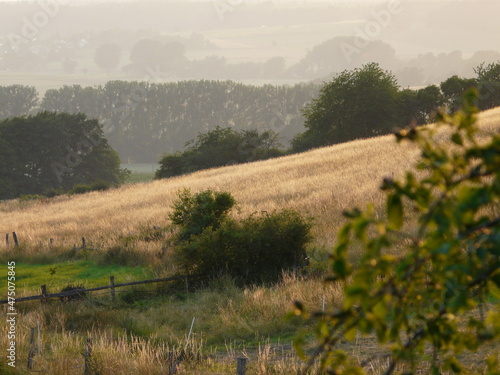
x,y
321,183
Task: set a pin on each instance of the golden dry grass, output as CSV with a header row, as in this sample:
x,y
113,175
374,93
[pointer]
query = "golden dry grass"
x,y
321,183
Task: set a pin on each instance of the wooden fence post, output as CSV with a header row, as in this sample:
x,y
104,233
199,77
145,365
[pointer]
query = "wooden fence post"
x,y
112,287
88,354
7,239
241,366
172,363
31,352
39,341
83,243
14,236
44,293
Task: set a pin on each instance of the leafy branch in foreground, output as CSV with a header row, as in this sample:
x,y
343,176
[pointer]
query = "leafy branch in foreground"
x,y
439,297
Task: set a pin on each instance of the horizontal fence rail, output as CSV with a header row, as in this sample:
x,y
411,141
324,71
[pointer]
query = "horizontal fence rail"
x,y
112,286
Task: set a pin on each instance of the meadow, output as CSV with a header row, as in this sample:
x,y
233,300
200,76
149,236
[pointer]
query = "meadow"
x,y
136,333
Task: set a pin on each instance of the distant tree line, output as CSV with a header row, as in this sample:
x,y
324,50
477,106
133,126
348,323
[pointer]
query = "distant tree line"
x,y
144,120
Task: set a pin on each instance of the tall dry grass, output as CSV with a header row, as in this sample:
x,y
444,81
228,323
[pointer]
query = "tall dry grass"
x,y
321,182
139,340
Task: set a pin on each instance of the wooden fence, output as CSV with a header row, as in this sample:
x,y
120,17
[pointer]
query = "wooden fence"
x,y
112,286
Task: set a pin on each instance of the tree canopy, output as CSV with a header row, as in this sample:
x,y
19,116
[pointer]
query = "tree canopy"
x,y
355,104
363,103
54,151
488,84
454,88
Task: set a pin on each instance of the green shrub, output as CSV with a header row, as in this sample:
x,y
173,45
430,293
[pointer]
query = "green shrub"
x,y
194,213
80,189
100,186
29,197
254,250
53,192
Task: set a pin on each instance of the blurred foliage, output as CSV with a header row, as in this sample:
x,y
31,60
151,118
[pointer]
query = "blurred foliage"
x,y
439,297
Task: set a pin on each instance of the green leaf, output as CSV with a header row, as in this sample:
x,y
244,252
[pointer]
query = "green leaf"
x,y
351,334
341,268
457,139
380,310
395,211
454,365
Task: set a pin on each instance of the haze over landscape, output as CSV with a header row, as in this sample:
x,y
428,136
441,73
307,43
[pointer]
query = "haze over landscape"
x,y
254,186
422,42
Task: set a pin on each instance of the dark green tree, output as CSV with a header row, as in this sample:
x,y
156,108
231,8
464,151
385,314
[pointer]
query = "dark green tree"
x,y
488,84
194,213
357,104
430,99
453,90
55,151
418,106
427,285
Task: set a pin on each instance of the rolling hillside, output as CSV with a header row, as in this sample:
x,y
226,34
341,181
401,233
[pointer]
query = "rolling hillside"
x,y
321,183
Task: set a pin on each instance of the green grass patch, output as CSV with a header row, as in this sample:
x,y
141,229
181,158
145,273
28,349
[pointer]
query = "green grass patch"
x,y
30,277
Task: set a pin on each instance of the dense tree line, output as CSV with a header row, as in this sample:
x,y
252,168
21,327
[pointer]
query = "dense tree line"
x,y
144,120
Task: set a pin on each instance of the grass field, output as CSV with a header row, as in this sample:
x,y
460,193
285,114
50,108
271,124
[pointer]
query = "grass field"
x,y
135,334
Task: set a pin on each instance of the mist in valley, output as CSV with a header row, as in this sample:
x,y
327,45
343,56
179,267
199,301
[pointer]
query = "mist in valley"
x,y
50,43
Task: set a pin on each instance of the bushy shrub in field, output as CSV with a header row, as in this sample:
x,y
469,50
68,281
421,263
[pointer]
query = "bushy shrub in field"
x,y
29,197
84,188
194,213
254,250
